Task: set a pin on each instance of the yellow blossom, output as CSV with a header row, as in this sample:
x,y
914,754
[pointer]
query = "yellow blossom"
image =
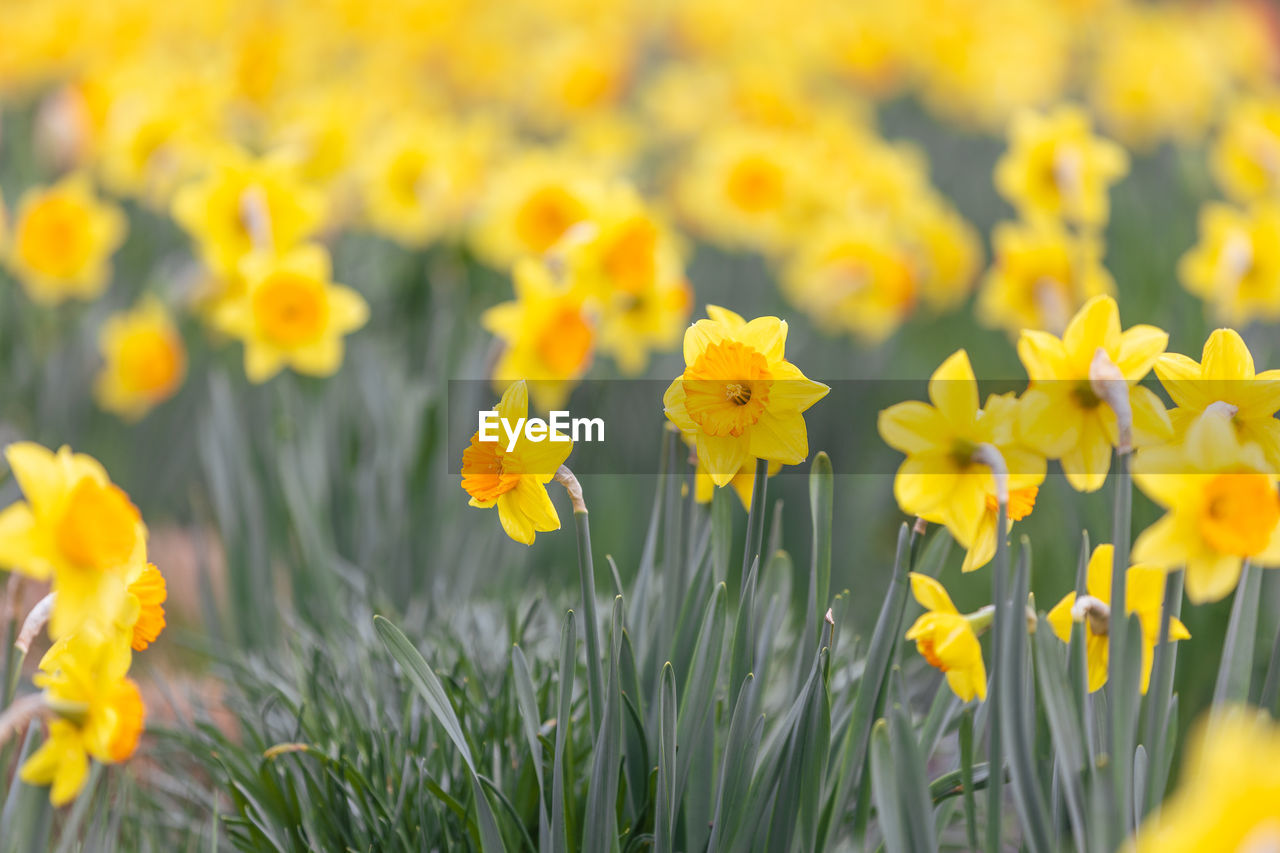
x,y
738,396
1225,378
1222,506
1040,276
98,713
1144,595
144,358
947,640
292,314
1064,414
743,482
1056,167
944,479
75,526
1245,158
62,241
515,480
1235,267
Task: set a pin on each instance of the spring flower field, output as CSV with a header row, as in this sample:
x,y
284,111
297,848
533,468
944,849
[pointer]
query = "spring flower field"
x,y
684,425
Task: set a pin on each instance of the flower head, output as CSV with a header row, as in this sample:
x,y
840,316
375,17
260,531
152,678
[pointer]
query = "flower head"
x,y
62,241
1056,167
75,526
1246,156
739,397
515,480
1235,267
1077,383
292,314
944,479
144,359
1144,595
1222,506
947,639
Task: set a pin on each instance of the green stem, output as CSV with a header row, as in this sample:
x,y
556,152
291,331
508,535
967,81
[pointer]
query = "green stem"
x,y
1123,695
587,581
995,754
755,523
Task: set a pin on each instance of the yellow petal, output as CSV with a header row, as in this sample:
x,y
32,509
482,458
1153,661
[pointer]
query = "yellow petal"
x,y
261,362
1144,592
723,315
1048,420
779,437
38,474
536,504
922,484
931,594
767,336
1178,631
1226,356
983,546
321,358
1097,324
1211,576
673,403
514,404
1059,617
913,427
1182,378
19,545
722,456
1165,543
954,390
1151,424
514,521
348,310
701,335
1140,346
1086,465
791,390
1098,573
1096,654
1042,356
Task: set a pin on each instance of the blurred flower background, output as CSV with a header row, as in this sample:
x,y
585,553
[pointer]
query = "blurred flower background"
x,y
254,251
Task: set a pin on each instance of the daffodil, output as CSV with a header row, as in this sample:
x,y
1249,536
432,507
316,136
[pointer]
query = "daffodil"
x,y
62,242
244,205
1226,379
515,480
1144,594
97,712
1222,506
144,360
945,478
738,396
1235,266
1228,794
1245,158
75,527
1056,167
1078,381
292,314
1040,276
946,639
743,482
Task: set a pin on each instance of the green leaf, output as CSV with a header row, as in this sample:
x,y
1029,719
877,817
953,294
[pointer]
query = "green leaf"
x,y
568,649
736,764
600,820
1065,724
968,778
1236,669
892,819
917,806
821,501
665,813
587,585
699,687
27,816
527,703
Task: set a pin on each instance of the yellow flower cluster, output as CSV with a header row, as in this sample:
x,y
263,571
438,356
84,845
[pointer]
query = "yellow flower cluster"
x,y
78,530
1210,462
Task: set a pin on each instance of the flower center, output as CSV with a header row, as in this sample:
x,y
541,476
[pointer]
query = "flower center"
x,y
1085,396
291,310
53,237
1021,502
482,474
99,526
150,362
727,388
925,646
1240,513
565,343
545,216
755,184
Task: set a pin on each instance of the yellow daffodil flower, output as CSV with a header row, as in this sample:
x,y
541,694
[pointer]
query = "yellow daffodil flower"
x,y
1235,267
1144,594
743,482
244,205
1245,158
144,359
1056,167
1225,377
1222,506
98,713
1041,275
62,241
1228,795
739,397
515,480
75,527
947,639
1064,414
549,335
944,479
292,314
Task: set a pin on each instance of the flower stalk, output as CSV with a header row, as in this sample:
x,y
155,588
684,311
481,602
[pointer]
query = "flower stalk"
x,y
587,583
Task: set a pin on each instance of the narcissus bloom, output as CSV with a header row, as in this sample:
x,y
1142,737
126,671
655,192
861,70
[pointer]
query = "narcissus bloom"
x,y
62,241
292,314
1226,379
515,480
144,359
1245,158
944,479
75,526
1144,594
548,333
1056,167
1228,796
1235,267
1040,276
739,398
1064,414
244,205
98,713
1222,502
947,639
